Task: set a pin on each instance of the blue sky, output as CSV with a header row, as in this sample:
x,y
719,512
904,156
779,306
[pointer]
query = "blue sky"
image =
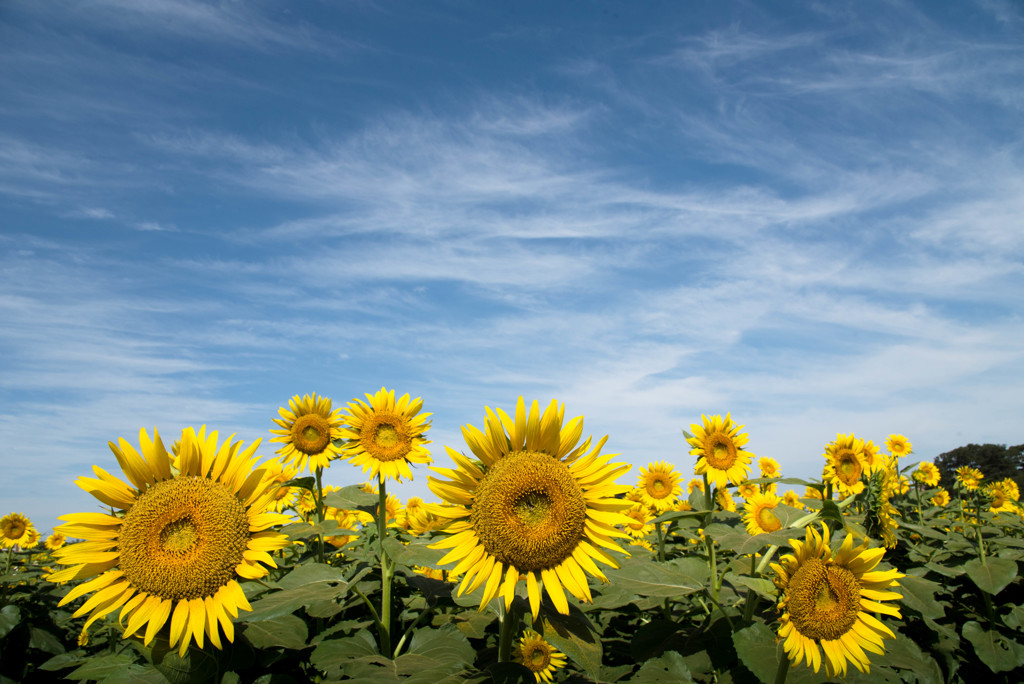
x,y
808,214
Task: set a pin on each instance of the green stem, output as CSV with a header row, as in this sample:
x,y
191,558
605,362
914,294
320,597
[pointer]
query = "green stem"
x,y
320,509
780,674
429,610
509,621
752,597
917,492
385,567
661,543
708,542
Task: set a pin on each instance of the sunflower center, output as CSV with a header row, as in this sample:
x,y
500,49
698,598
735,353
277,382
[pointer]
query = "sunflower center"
x,y
529,511
183,538
14,530
537,659
311,433
767,520
386,437
848,469
719,451
658,487
823,600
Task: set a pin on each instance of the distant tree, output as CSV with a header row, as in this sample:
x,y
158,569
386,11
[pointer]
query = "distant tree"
x,y
995,461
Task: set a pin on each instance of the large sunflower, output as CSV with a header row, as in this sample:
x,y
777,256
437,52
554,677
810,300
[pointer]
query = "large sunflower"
x,y
659,485
180,541
719,443
14,530
828,601
385,436
845,464
308,430
538,656
535,504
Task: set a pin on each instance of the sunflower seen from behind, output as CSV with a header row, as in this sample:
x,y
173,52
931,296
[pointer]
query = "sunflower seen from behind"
x,y
308,429
179,541
719,444
537,503
384,435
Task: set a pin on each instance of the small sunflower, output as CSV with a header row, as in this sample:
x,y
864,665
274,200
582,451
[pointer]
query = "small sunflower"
x,y
792,499
659,485
723,497
829,601
538,656
1003,495
769,467
941,498
309,428
927,474
872,461
535,504
695,483
759,514
31,539
384,436
180,542
748,490
284,497
639,525
898,445
969,477
719,443
812,493
55,541
14,529
845,465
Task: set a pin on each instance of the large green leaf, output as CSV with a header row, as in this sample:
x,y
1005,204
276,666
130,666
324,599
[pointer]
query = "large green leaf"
x,y
755,645
351,497
995,650
446,645
307,585
991,575
330,656
10,616
902,653
414,553
100,667
575,637
668,668
741,543
673,579
919,594
287,631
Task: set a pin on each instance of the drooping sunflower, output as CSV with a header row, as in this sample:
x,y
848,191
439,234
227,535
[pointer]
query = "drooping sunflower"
x,y
308,430
535,504
759,514
14,528
845,465
828,601
968,477
927,474
181,542
719,443
941,498
538,656
385,436
898,445
769,467
659,485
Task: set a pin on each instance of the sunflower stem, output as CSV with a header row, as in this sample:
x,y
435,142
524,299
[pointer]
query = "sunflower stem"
x,y
661,543
509,621
752,597
917,492
320,510
780,674
385,566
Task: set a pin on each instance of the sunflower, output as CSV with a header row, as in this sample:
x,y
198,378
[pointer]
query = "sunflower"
x,y
181,543
55,541
769,467
535,504
747,490
14,528
927,474
1003,494
828,601
792,499
872,461
639,525
719,443
695,483
284,497
941,498
898,445
659,485
308,431
759,514
845,465
723,497
969,477
538,656
31,539
880,516
812,493
384,436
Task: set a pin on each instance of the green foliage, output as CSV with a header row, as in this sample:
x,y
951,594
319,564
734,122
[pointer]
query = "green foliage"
x,y
996,461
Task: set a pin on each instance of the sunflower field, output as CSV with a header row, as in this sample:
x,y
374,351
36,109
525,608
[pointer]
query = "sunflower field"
x,y
542,559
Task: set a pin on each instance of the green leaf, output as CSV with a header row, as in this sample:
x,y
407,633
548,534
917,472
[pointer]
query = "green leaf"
x,y
919,594
286,631
760,586
327,528
668,668
303,482
331,655
351,497
10,616
995,650
44,641
447,646
98,668
307,585
1015,618
755,645
902,653
830,511
415,553
992,575
654,638
675,578
577,639
742,543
